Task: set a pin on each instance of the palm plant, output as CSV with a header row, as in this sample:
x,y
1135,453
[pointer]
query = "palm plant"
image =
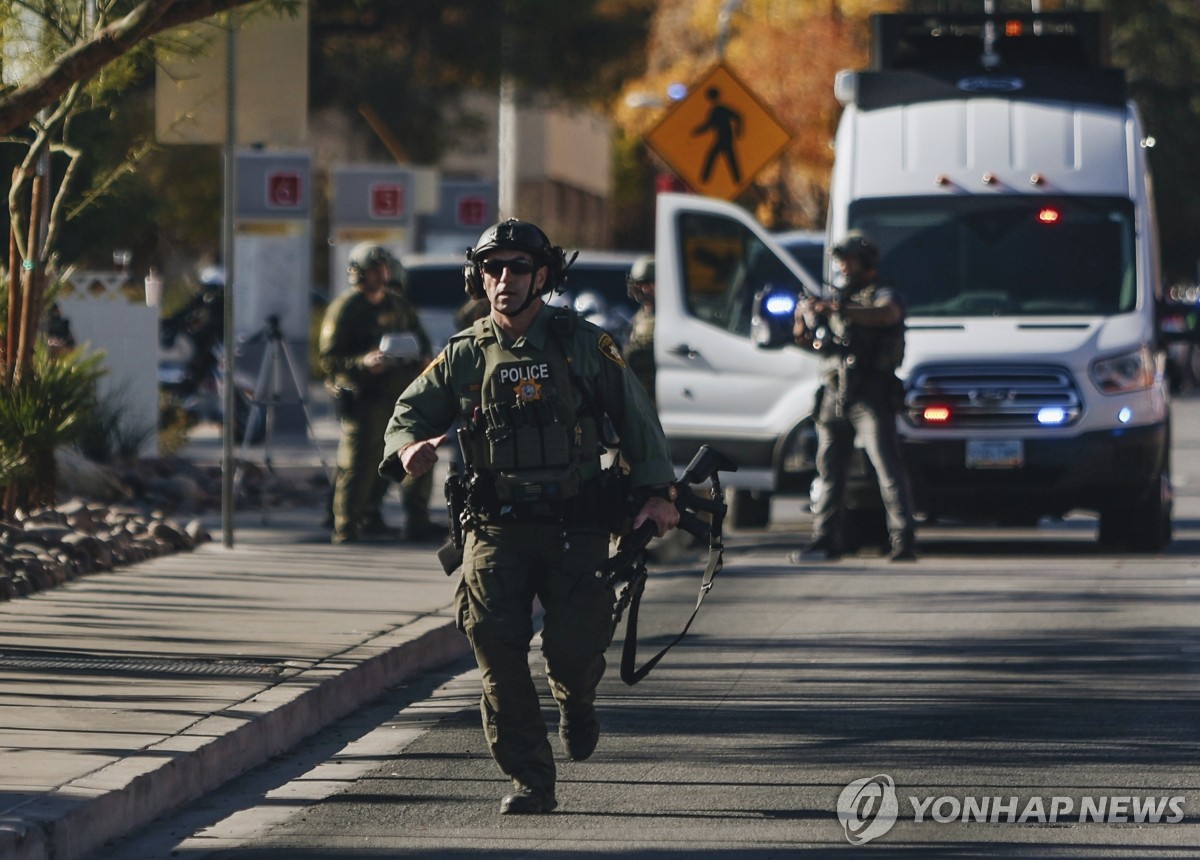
x,y
45,408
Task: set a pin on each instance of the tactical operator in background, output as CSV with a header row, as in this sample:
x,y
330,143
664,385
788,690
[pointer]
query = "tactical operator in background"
x,y
639,349
366,383
531,385
859,360
202,319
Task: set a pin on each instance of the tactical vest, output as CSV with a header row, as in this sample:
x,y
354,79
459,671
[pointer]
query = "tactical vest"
x,y
536,439
880,349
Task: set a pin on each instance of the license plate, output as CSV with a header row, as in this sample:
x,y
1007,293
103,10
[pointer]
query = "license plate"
x,y
995,454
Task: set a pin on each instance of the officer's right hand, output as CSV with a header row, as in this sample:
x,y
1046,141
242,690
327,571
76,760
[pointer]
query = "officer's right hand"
x,y
662,513
375,361
420,457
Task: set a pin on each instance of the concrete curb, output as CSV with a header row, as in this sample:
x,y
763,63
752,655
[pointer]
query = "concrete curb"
x,y
120,798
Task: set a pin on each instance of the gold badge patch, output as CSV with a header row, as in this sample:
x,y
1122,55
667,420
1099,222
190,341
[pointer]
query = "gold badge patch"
x,y
610,350
527,390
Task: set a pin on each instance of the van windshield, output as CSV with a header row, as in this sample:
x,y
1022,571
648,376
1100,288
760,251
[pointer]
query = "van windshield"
x,y
977,255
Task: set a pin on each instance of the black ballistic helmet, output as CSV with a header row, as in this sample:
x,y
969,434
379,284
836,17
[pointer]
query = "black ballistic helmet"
x,y
514,235
856,244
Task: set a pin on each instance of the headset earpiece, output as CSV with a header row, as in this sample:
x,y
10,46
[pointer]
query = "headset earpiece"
x,y
472,280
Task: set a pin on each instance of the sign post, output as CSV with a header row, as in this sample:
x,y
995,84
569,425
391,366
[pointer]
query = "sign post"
x,y
719,136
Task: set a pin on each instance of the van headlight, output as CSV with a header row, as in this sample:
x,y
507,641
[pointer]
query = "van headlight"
x,y
1132,371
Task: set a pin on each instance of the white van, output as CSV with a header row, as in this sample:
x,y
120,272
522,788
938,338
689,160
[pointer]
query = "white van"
x,y
1012,204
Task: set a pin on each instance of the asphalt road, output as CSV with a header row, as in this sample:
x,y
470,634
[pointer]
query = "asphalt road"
x,y
1017,676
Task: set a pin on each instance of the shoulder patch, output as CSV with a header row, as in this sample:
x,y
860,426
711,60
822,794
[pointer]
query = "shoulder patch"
x,y
610,350
441,356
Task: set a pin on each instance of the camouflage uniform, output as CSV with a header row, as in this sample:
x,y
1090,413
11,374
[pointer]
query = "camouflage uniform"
x,y
639,349
352,328
859,402
516,551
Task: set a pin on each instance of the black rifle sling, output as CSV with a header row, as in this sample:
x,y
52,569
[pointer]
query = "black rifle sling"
x,y
631,675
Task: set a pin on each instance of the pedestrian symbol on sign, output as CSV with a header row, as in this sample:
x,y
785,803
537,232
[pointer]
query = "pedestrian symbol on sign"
x,y
725,125
738,135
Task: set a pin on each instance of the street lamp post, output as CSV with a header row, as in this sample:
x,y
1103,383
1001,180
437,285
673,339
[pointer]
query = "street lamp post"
x,y
727,10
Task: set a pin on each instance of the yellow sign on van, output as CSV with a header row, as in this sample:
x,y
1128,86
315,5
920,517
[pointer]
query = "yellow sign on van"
x,y
719,136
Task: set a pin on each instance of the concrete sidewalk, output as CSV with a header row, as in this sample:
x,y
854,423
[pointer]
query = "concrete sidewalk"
x,y
128,693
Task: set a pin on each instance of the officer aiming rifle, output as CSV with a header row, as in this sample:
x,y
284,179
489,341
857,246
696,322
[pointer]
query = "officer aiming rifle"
x,y
867,320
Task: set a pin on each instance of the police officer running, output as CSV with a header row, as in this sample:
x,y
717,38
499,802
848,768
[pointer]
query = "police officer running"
x,y
366,383
860,336
530,385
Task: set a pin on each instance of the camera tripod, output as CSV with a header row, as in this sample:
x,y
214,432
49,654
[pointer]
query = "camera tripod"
x,y
267,396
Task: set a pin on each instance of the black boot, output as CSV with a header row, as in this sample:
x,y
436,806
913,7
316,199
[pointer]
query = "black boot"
x,y
579,733
528,801
903,547
824,548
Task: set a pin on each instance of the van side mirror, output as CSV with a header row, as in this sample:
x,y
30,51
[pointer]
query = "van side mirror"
x,y
773,317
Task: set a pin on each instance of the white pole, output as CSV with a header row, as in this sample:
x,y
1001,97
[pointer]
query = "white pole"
x,y
507,186
506,144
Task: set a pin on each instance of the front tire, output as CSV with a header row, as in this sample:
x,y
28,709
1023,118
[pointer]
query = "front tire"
x,y
1144,526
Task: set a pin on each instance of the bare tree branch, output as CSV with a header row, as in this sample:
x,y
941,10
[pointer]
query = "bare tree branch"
x,y
81,62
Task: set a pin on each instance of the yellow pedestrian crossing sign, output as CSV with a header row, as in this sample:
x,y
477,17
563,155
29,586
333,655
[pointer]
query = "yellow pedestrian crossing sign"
x,y
719,136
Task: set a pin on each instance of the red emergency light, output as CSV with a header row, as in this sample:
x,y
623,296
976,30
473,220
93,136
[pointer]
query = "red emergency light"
x,y
1049,215
935,414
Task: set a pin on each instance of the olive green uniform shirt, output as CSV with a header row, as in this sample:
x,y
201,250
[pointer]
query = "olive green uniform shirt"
x,y
451,388
353,327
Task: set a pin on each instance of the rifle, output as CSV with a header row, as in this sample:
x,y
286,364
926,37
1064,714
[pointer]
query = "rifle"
x,y
628,565
458,494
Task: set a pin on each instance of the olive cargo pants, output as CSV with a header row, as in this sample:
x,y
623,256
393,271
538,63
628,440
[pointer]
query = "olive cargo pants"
x,y
505,566
358,490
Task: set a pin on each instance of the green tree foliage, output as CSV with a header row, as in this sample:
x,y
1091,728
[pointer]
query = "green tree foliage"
x,y
411,63
1158,41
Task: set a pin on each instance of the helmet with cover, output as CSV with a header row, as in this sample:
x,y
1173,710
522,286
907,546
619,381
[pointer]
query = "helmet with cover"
x,y
856,244
363,256
641,272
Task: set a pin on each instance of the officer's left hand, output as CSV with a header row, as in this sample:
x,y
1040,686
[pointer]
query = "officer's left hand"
x,y
663,513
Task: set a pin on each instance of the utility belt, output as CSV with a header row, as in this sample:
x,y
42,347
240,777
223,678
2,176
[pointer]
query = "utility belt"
x,y
473,499
529,486
594,504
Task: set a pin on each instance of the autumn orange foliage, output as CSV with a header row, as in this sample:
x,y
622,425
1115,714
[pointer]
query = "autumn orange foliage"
x,y
787,52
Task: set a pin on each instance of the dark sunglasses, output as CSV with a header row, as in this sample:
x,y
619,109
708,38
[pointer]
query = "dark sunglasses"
x,y
495,268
